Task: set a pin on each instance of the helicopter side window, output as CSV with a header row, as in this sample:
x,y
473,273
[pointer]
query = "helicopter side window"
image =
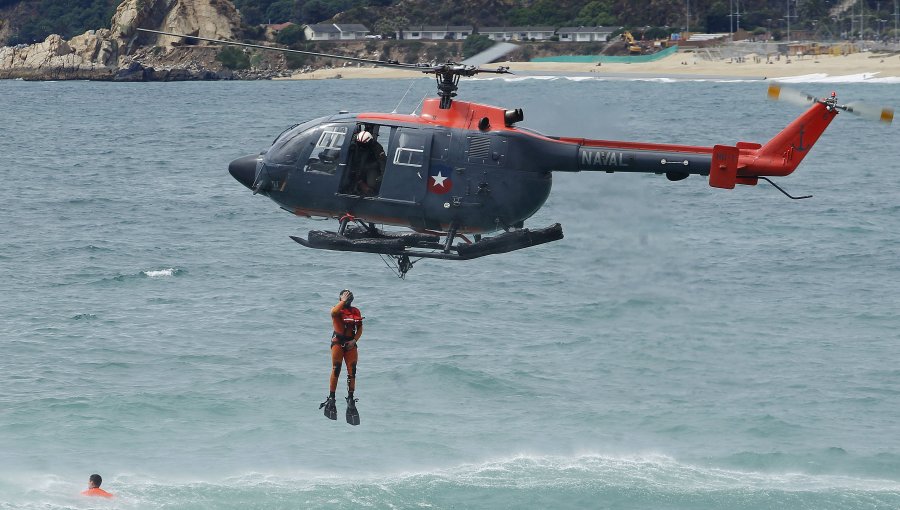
x,y
410,150
326,154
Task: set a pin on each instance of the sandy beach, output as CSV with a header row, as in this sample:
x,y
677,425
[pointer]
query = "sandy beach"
x,y
865,65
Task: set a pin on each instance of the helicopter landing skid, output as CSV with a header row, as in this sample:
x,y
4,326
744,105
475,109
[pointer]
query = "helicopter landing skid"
x,y
406,245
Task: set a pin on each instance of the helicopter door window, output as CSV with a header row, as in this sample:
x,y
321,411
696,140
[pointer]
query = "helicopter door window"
x,y
410,150
408,157
326,154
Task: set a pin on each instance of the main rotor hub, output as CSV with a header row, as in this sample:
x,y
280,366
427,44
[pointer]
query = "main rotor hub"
x,y
448,75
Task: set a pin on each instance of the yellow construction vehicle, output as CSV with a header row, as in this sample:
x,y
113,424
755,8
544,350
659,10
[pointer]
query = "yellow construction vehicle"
x,y
633,47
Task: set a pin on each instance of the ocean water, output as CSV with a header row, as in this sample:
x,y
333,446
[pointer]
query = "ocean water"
x,y
682,348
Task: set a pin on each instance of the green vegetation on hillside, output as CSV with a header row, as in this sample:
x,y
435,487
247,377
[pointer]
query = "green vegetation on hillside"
x,y
233,58
306,11
32,20
475,44
67,18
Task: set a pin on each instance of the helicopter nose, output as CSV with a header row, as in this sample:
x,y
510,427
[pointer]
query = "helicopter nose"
x,y
244,170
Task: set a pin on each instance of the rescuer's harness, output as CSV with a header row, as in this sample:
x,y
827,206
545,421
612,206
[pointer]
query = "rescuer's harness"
x,y
351,319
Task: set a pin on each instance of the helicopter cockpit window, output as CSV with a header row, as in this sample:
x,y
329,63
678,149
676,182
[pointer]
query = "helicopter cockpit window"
x,y
410,150
289,146
287,150
326,154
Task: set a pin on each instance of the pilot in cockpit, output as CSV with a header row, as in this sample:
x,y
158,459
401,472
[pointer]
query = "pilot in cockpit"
x,y
369,163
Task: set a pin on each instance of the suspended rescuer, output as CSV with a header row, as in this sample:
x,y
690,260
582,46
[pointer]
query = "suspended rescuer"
x,y
347,322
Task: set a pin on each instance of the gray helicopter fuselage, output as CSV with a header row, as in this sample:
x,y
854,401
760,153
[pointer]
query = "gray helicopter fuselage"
x,y
433,177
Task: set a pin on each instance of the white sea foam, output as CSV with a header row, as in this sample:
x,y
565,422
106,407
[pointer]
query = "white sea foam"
x,y
847,78
159,273
867,77
664,473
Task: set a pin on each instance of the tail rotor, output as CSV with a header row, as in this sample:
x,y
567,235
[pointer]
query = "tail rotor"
x,y
778,92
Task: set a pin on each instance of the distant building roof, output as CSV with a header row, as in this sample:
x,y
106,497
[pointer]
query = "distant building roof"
x,y
332,28
441,28
278,27
516,29
705,37
592,30
324,28
352,27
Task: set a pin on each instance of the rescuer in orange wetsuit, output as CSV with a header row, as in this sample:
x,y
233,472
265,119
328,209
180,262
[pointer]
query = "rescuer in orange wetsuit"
x,y
347,323
94,487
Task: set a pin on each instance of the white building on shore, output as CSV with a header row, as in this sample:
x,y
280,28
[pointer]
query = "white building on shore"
x,y
518,33
585,34
436,33
335,32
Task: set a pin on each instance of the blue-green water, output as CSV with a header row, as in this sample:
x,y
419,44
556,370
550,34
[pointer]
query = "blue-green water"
x,y
682,348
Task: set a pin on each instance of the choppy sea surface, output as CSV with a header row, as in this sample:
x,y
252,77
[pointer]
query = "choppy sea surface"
x,y
682,348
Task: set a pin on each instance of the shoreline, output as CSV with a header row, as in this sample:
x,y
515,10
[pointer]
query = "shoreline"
x,y
861,66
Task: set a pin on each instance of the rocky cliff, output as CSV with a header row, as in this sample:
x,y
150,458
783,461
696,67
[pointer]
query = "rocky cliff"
x,y
122,53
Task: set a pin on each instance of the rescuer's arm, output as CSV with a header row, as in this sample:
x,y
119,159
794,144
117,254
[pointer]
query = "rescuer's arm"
x,y
336,309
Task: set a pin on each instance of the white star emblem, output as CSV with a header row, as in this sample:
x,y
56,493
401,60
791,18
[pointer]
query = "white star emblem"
x,y
439,179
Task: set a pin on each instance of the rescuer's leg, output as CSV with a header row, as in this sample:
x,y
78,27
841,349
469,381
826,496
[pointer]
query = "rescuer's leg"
x,y
337,357
350,357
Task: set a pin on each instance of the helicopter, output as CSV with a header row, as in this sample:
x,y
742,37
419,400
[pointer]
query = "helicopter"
x,y
459,171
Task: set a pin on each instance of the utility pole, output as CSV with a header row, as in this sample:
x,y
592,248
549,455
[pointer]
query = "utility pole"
x,y
734,13
896,14
687,22
788,17
862,19
731,18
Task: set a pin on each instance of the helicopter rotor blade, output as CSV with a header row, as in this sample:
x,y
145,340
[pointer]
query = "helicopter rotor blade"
x,y
869,112
382,63
493,53
778,92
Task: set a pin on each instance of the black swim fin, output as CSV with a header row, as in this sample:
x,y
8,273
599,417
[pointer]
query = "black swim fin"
x,y
330,408
352,413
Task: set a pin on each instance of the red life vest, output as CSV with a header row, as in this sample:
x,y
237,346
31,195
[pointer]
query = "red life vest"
x,y
351,319
97,491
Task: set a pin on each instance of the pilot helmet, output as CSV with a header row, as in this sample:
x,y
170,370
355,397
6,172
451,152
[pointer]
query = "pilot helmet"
x,y
349,298
364,137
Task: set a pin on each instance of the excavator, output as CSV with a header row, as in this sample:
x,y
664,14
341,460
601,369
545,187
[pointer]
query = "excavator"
x,y
633,47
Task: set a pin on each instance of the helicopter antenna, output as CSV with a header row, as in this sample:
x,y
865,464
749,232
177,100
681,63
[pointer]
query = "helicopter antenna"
x,y
420,104
411,83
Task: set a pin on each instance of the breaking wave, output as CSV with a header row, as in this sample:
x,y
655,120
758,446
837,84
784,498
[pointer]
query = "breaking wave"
x,y
524,481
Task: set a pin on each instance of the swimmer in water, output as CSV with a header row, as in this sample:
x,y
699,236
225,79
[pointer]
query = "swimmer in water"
x,y
94,487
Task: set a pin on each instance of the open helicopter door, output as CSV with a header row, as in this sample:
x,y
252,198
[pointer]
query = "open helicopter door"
x,y
326,162
406,169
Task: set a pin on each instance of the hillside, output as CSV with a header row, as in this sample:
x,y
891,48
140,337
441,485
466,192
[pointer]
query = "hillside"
x,y
28,21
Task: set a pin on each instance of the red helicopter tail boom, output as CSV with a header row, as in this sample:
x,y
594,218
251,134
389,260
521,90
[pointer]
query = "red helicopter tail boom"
x,y
726,165
780,156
